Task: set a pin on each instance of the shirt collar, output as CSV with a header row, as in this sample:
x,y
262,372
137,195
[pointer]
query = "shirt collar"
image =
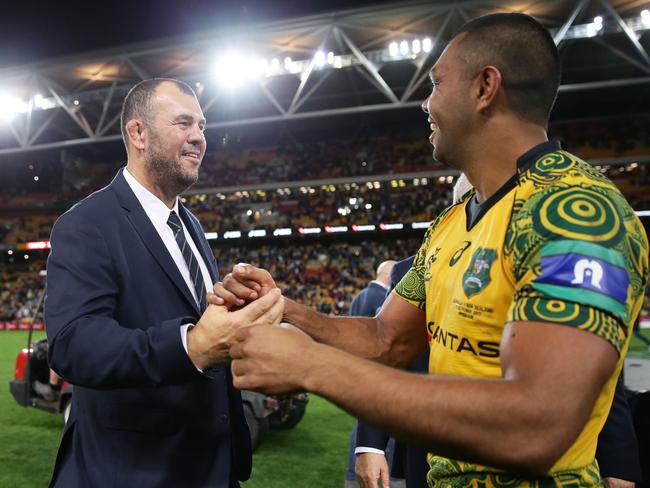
x,y
534,153
154,207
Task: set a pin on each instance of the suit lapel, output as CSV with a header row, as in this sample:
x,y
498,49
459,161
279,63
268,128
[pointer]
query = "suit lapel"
x,y
143,226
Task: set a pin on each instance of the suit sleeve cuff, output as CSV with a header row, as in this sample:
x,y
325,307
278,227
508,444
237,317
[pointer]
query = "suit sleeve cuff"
x,y
184,329
362,450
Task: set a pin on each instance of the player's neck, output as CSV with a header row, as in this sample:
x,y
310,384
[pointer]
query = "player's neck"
x,y
494,160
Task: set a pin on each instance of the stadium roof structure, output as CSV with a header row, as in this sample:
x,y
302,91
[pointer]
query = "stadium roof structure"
x,y
347,62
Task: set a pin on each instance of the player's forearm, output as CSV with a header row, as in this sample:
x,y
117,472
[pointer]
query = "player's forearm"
x,y
493,422
360,336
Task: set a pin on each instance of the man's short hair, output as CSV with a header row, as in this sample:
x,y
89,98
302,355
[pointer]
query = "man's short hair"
x,y
138,102
525,54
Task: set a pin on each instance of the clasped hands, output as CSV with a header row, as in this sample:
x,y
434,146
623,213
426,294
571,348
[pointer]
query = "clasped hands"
x,y
243,323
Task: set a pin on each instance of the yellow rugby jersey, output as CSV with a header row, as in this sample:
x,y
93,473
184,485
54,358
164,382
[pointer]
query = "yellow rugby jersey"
x,y
557,243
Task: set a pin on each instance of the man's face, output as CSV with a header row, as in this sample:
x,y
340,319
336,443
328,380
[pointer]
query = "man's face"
x,y
176,144
448,106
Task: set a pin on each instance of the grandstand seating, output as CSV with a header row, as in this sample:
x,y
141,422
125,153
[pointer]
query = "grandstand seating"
x,y
325,276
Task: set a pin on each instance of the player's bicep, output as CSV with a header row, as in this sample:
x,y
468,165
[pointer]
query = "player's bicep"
x,y
562,370
403,329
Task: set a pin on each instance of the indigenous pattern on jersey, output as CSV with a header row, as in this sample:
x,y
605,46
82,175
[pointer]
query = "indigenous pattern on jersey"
x,y
558,243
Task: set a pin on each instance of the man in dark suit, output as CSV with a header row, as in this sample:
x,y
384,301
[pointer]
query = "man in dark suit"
x,y
366,304
408,463
128,322
369,300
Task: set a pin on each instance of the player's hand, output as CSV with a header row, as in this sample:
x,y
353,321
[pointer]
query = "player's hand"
x,y
209,341
274,360
371,468
245,284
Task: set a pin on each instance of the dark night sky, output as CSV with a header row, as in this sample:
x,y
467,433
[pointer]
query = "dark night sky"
x,y
35,30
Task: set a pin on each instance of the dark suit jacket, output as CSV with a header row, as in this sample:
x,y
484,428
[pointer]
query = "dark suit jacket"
x,y
142,414
369,300
617,451
409,462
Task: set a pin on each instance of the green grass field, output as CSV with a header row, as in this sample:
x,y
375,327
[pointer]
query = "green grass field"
x,y
311,455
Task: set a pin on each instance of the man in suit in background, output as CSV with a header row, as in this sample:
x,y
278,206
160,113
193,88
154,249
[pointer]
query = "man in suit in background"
x,y
128,323
369,300
366,304
409,464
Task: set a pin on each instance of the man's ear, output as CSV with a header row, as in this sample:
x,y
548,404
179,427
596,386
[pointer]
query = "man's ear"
x,y
136,133
489,84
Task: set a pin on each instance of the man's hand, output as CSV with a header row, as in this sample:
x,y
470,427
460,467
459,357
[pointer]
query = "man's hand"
x,y
209,341
245,284
273,360
619,483
370,468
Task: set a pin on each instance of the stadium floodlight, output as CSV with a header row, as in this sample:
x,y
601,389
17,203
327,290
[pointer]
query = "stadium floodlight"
x,y
11,106
39,101
211,236
645,17
591,30
232,69
368,206
598,22
319,59
257,233
643,213
282,232
393,49
416,46
309,230
427,45
274,67
232,234
404,48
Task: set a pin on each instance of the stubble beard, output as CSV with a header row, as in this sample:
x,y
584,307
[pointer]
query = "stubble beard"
x,y
167,171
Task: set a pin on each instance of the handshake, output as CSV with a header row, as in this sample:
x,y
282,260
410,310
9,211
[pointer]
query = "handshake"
x,y
242,324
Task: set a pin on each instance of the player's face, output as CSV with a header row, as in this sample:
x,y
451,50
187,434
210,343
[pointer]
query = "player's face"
x,y
447,106
177,143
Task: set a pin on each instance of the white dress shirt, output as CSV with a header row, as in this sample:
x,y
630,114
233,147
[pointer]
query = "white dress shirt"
x,y
158,214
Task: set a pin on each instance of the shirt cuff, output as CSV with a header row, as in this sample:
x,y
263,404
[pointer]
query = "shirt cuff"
x,y
184,329
362,450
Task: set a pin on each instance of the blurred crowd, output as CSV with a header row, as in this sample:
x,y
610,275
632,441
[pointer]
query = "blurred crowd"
x,y
347,204
324,276
20,293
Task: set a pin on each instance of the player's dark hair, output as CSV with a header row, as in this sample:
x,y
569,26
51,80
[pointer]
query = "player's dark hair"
x,y
138,102
525,54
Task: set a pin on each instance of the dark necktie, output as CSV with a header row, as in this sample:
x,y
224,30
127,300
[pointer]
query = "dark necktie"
x,y
192,263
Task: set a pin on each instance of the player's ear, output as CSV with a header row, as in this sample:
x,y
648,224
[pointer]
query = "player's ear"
x,y
488,85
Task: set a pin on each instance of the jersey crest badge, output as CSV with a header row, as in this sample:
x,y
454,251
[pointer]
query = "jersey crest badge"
x,y
477,276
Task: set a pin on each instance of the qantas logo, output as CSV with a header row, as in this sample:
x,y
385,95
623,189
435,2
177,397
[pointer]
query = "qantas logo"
x,y
456,343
